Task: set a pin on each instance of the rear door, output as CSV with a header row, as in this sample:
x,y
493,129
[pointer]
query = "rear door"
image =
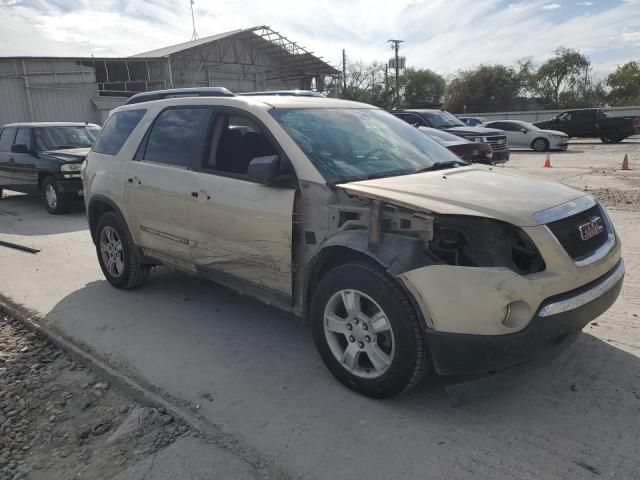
x,y
584,122
242,229
7,136
24,164
161,181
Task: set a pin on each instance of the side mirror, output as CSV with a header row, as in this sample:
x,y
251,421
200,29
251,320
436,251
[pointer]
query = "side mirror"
x,y
264,169
524,130
20,148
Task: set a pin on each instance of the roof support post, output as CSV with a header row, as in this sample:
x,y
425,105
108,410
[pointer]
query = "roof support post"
x,y
27,90
170,72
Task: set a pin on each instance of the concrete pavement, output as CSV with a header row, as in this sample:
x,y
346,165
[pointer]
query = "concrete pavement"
x,y
265,385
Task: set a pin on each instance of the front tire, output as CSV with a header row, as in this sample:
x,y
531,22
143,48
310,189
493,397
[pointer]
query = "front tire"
x,y
55,201
540,144
367,332
116,253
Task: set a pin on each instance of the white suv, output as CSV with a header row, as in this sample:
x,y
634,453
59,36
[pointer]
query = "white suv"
x,y
401,257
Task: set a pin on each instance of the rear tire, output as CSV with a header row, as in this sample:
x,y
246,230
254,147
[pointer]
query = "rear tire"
x,y
117,255
611,136
375,345
55,201
540,144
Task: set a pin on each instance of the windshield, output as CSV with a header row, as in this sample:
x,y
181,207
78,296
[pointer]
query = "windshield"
x,y
355,144
442,120
57,138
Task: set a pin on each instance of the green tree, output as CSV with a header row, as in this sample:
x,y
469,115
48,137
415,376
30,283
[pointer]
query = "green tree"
x,y
422,88
487,88
625,84
563,79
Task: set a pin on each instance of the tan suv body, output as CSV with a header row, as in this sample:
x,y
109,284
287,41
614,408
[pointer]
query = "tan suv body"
x,y
400,257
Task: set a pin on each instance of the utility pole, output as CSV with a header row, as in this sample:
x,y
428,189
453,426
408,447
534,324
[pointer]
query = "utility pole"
x,y
396,47
344,73
194,35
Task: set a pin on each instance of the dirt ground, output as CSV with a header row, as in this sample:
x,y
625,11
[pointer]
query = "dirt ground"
x,y
58,421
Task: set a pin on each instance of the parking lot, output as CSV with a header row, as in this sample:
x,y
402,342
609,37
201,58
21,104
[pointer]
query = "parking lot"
x,y
253,370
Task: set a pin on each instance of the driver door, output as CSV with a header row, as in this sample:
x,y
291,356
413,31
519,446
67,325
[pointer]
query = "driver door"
x,y
242,230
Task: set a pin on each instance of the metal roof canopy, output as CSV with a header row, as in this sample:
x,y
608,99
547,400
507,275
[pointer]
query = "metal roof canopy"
x,y
292,56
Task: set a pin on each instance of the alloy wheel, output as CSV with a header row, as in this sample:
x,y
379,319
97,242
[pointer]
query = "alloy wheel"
x,y
359,334
111,251
51,196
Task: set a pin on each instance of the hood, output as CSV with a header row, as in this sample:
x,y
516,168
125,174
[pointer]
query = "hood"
x,y
471,190
480,131
555,132
72,155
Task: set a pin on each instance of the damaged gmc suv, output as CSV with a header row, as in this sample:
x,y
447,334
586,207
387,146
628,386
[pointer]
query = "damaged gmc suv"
x,y
401,257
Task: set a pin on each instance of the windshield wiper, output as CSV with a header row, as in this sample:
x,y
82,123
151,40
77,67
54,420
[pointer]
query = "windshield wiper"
x,y
62,147
371,176
442,166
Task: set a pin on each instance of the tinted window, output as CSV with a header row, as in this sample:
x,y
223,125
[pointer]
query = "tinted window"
x,y
583,115
6,138
239,140
23,137
117,130
177,137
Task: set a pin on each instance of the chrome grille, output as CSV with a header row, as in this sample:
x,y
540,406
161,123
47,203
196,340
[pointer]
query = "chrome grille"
x,y
495,146
567,231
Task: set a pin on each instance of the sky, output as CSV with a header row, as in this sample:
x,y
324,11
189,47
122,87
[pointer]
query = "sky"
x,y
444,35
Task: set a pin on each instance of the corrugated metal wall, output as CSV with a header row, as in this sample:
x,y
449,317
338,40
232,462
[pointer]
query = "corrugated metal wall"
x,y
537,115
39,90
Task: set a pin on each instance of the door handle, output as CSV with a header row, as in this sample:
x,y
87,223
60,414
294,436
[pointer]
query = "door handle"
x,y
197,194
134,180
12,160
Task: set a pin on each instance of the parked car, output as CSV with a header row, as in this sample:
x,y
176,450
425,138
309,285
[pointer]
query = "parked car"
x,y
592,122
526,135
474,152
45,158
449,123
400,258
472,121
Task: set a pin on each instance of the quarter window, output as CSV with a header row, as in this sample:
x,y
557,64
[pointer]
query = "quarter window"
x,y
117,130
178,136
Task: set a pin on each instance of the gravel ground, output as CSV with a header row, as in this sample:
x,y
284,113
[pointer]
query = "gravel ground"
x,y
57,420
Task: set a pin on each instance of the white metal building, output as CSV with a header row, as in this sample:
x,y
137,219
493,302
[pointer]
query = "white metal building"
x,y
86,89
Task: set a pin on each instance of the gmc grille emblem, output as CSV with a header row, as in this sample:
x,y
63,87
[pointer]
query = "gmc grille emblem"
x,y
591,229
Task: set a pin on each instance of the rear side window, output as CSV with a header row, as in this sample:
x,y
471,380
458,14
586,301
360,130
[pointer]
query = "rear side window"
x,y
6,138
178,137
117,130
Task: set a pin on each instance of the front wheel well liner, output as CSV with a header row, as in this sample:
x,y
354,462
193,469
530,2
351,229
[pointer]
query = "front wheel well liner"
x,y
333,255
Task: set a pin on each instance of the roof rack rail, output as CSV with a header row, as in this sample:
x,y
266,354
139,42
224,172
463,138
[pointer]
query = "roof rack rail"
x,y
283,93
179,92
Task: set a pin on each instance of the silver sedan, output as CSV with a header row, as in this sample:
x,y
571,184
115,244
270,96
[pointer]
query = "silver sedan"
x,y
526,135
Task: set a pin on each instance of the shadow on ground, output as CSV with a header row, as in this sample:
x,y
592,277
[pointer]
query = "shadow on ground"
x,y
254,371
29,211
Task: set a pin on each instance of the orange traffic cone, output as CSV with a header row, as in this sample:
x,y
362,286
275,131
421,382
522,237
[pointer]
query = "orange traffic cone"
x,y
547,162
625,162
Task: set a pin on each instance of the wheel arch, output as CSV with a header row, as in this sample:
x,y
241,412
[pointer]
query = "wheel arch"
x,y
98,206
397,254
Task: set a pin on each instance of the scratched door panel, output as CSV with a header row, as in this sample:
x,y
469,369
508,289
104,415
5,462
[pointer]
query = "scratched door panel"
x,y
243,229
